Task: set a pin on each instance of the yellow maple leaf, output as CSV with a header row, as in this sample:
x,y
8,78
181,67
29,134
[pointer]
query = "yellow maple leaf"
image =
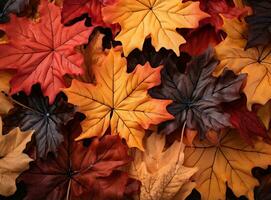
x,y
162,173
118,100
5,103
256,62
264,113
155,18
230,161
13,161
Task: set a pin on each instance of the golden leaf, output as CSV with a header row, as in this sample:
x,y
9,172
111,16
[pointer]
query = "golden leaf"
x,y
13,161
229,161
162,173
256,62
118,100
155,18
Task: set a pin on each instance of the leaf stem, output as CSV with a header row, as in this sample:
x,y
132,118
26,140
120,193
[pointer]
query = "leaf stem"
x,y
68,190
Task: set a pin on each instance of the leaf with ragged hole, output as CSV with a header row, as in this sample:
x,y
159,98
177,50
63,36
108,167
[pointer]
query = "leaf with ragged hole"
x,y
118,100
82,171
231,161
158,19
197,95
256,62
33,112
42,52
12,159
162,173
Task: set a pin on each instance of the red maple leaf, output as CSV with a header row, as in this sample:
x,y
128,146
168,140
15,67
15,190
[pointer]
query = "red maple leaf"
x,y
42,52
75,8
82,171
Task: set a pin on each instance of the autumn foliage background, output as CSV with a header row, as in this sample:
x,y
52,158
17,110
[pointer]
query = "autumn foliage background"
x,y
135,99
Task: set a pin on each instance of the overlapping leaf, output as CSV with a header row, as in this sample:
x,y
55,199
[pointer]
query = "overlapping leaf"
x,y
197,96
230,161
42,52
33,112
259,32
81,172
118,100
158,19
255,62
12,159
162,173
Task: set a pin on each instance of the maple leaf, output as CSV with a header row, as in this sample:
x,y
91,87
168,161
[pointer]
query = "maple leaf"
x,y
11,6
162,173
12,159
197,95
259,32
81,171
158,19
75,8
254,61
5,103
33,112
42,52
118,100
246,122
230,161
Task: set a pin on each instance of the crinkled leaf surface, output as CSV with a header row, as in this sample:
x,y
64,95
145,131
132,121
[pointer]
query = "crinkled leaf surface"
x,y
156,18
230,161
256,62
42,52
81,172
119,100
197,95
12,159
259,32
5,103
33,112
162,173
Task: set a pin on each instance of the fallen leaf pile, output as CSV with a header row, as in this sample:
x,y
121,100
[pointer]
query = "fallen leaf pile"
x,y
135,99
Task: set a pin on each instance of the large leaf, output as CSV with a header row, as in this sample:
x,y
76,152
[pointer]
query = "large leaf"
x,y
33,112
118,100
230,161
12,159
162,173
259,32
5,102
81,172
156,18
197,95
42,52
256,62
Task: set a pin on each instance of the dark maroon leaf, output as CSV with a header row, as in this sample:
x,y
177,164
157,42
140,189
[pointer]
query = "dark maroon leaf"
x,y
197,95
259,23
82,170
33,112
